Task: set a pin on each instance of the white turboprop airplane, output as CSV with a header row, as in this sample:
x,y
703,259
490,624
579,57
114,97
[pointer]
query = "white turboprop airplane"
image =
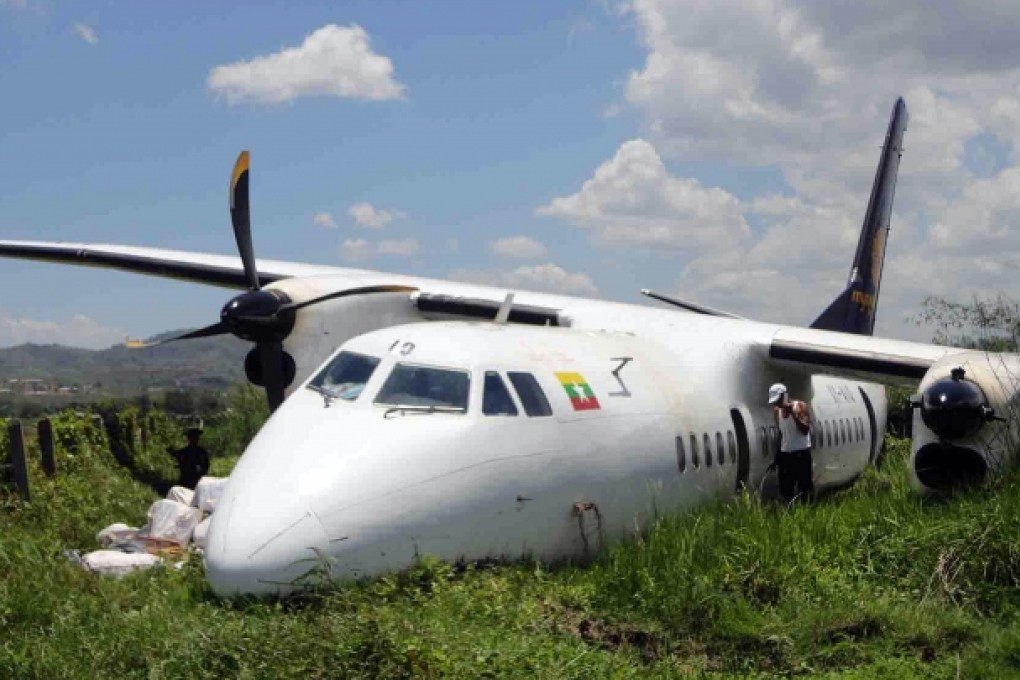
x,y
433,417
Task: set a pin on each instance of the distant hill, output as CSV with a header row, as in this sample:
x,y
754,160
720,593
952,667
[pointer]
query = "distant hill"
x,y
206,362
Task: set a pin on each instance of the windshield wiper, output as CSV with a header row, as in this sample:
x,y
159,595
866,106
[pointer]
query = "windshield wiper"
x,y
327,396
419,408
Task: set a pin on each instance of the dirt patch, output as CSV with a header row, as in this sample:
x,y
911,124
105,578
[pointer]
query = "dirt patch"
x,y
605,634
615,635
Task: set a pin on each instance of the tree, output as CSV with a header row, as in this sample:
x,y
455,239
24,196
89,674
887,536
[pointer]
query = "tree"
x,y
991,324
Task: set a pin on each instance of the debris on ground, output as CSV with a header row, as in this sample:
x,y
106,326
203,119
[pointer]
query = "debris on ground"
x,y
175,527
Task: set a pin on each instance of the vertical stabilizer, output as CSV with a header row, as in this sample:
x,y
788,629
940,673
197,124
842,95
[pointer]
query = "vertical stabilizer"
x,y
855,308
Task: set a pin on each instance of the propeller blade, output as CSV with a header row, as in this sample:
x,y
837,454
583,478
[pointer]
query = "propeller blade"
x,y
271,357
216,329
240,217
364,290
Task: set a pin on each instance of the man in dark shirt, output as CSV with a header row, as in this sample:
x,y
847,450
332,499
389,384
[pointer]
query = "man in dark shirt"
x,y
192,460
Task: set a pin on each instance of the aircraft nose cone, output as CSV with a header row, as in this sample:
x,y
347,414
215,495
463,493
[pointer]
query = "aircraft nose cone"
x,y
249,552
265,535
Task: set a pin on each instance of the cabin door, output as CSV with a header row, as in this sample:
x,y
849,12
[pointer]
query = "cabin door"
x,y
872,426
743,450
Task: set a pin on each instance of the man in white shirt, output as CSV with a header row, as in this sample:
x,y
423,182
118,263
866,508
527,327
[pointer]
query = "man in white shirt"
x,y
793,418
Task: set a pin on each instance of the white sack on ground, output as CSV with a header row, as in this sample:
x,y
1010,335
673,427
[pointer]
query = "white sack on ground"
x,y
117,563
181,494
208,492
201,534
171,521
116,533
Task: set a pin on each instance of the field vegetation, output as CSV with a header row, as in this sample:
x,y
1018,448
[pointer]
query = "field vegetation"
x,y
870,583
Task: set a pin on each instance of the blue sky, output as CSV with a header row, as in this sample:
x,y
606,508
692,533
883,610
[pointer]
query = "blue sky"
x,y
694,148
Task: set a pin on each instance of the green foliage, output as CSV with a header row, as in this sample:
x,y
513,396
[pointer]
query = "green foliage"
x,y
873,582
229,432
991,324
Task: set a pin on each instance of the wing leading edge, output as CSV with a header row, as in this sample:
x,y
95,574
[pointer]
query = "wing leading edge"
x,y
215,270
896,362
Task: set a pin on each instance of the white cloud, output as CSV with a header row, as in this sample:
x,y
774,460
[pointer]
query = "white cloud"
x,y
367,215
633,199
334,61
356,250
800,92
400,247
521,247
359,249
324,220
547,277
86,33
78,331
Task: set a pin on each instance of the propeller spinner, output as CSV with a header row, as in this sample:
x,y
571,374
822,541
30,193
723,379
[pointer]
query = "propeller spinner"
x,y
265,317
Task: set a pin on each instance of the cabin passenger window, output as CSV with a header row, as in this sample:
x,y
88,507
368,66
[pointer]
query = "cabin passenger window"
x,y
694,451
720,450
732,441
496,400
708,450
531,395
842,430
827,426
422,386
681,455
345,376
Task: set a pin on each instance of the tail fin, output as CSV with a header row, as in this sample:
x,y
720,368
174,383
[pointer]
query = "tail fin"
x,y
855,308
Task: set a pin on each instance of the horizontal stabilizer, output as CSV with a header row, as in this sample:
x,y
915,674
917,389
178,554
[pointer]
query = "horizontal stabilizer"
x,y
688,305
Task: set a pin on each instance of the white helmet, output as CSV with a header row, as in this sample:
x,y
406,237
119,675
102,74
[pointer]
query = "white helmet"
x,y
776,393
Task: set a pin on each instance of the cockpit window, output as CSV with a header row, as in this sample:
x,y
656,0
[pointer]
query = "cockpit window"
x,y
345,376
496,399
410,385
531,394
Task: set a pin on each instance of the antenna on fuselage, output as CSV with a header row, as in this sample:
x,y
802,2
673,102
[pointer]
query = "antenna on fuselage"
x,y
503,315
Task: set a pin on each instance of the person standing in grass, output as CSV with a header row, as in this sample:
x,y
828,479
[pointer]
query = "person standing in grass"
x,y
193,460
793,418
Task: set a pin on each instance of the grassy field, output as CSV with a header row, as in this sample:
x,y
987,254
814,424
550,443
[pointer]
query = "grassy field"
x,y
870,583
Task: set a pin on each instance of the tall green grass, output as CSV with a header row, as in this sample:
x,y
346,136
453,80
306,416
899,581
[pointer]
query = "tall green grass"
x,y
873,582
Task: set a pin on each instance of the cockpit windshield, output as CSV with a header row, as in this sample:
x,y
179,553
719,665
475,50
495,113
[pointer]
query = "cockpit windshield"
x,y
345,376
411,385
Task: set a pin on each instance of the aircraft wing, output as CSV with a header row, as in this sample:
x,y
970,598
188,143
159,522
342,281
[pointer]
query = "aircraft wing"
x,y
856,356
216,270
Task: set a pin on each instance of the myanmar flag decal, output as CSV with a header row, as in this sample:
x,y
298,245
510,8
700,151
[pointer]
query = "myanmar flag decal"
x,y
577,388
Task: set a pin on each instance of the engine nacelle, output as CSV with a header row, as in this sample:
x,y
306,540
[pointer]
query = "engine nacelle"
x,y
965,423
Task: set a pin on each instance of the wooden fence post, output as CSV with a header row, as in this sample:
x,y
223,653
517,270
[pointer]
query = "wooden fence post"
x,y
49,462
16,458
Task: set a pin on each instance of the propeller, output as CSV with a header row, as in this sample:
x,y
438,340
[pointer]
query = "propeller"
x,y
265,317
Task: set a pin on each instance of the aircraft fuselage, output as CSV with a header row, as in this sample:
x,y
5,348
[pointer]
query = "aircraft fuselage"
x,y
634,428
